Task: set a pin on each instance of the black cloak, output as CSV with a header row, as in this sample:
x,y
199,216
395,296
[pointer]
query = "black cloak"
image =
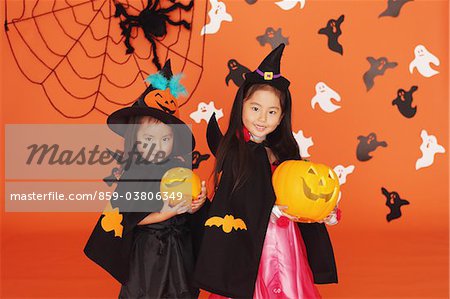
x,y
112,252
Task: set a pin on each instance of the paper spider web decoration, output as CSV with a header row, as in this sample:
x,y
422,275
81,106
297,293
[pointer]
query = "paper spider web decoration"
x,y
75,51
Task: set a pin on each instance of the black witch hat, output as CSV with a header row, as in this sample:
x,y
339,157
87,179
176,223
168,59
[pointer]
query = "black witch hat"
x,y
159,100
269,72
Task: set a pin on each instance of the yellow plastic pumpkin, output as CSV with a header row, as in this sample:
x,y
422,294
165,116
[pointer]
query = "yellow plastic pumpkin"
x,y
182,180
309,190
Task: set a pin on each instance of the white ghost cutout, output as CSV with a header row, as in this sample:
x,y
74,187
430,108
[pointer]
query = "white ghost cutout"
x,y
290,4
204,112
323,97
217,15
342,172
303,143
422,60
429,148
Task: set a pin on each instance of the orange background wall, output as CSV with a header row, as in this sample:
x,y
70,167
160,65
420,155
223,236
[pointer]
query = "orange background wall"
x,y
41,253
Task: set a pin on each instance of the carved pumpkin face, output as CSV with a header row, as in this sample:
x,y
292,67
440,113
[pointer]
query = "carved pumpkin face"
x,y
162,100
309,190
182,180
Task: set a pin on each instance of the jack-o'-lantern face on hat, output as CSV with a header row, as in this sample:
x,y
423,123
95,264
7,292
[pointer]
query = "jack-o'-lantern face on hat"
x,y
159,101
162,100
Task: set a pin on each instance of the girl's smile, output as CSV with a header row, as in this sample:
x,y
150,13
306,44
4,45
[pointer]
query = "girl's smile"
x,y
260,128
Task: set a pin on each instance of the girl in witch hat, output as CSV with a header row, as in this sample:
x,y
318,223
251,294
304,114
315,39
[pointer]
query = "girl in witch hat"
x,y
246,252
151,249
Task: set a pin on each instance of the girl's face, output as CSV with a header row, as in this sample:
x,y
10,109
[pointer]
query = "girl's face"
x,y
159,134
261,113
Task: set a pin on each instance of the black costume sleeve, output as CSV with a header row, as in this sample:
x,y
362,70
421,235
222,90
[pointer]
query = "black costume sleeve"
x,y
197,225
320,252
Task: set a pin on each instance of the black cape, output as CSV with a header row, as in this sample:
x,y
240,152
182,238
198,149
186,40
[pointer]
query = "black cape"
x,y
228,262
112,252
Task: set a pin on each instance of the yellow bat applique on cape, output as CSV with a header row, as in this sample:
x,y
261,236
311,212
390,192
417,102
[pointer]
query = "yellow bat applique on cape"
x,y
228,223
112,221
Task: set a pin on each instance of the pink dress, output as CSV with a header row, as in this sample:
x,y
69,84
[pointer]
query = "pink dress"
x,y
283,271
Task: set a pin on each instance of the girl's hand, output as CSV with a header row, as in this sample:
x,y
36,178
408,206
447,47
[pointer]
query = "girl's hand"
x,y
290,217
333,218
179,208
200,201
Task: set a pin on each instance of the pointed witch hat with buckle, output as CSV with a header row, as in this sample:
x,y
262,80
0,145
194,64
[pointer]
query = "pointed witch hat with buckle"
x,y
268,71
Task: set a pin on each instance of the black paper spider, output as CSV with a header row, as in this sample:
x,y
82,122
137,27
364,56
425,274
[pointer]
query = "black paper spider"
x,y
153,23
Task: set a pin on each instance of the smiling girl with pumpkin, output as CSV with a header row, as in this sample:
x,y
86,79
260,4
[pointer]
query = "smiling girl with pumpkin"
x,y
247,250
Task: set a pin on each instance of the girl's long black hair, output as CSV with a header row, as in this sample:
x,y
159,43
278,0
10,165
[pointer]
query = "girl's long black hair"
x,y
233,147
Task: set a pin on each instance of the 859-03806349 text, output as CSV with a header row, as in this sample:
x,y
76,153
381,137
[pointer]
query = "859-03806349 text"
x,y
101,196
